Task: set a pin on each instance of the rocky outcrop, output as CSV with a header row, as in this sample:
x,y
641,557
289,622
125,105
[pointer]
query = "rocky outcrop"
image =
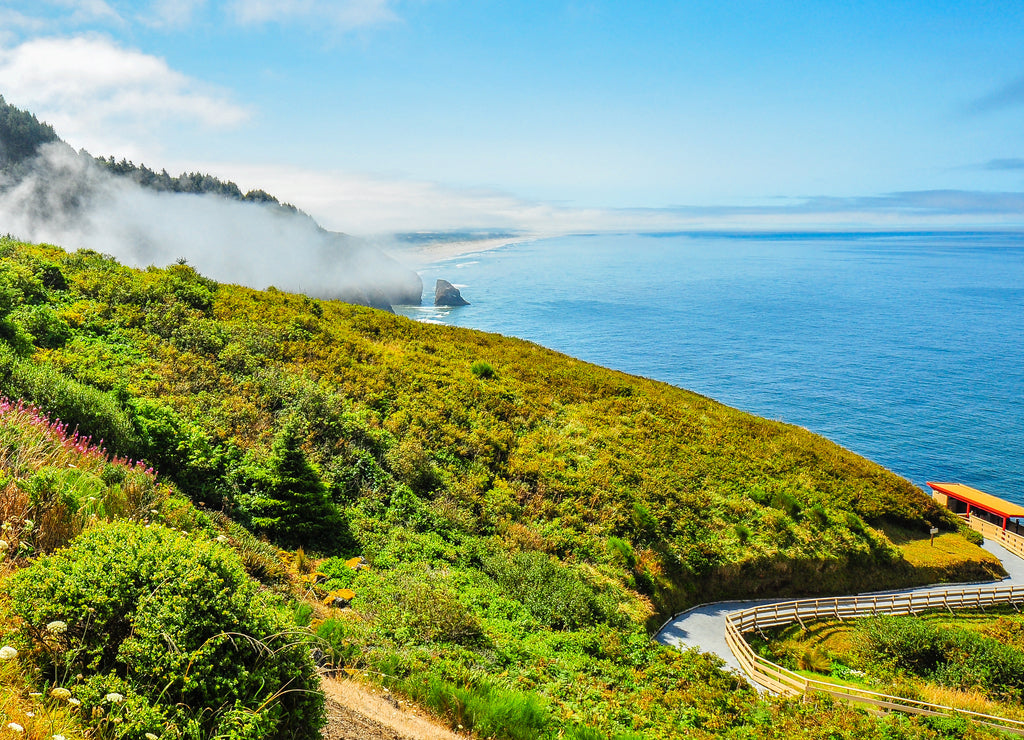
x,y
446,294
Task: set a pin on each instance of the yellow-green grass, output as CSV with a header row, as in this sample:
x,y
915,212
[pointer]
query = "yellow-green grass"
x,y
39,716
637,496
845,683
837,641
949,557
548,453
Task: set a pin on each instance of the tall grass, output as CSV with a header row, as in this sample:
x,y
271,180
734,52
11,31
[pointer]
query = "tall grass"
x,y
486,709
54,482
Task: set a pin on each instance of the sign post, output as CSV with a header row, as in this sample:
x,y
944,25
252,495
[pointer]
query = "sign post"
x,y
934,531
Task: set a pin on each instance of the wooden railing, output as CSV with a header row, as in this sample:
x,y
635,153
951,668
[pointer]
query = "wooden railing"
x,y
782,681
1010,540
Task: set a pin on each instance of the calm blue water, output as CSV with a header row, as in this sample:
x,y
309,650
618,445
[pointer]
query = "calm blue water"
x,y
906,349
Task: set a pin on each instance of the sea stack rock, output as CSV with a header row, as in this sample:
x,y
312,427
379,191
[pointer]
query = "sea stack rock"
x,y
446,294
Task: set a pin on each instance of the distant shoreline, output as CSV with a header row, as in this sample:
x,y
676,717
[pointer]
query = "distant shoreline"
x,y
442,251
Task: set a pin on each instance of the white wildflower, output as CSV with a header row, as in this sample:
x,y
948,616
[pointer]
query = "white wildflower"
x,y
7,653
58,737
151,736
30,714
57,627
60,693
74,702
114,698
4,547
221,539
15,727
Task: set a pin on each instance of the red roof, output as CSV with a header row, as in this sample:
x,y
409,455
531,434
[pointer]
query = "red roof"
x,y
982,500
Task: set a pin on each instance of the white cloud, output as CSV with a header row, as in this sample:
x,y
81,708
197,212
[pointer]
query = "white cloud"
x,y
12,22
172,13
345,14
84,11
101,95
366,205
68,200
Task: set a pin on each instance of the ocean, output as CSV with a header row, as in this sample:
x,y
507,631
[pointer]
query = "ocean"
x,y
905,348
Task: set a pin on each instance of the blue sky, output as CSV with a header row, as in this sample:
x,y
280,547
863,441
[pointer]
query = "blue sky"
x,y
378,115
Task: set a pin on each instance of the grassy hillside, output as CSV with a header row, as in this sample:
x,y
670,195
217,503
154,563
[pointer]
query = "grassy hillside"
x,y
525,515
544,451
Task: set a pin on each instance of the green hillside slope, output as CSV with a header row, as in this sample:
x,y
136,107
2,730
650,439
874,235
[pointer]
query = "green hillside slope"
x,y
543,451
525,515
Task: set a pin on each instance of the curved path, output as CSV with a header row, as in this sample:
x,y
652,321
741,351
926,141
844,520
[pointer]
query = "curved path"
x,y
703,626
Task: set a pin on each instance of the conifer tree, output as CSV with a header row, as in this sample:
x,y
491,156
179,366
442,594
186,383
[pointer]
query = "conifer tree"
x,y
292,504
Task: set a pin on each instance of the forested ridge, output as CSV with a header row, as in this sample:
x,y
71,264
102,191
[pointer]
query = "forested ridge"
x,y
22,135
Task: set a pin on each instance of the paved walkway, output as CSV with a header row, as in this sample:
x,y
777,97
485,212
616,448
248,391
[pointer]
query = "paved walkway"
x,y
704,626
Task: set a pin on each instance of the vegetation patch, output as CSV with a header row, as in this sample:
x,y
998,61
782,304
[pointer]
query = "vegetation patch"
x,y
968,660
492,544
168,637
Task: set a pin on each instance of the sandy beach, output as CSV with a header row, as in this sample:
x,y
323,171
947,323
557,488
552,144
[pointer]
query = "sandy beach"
x,y
440,251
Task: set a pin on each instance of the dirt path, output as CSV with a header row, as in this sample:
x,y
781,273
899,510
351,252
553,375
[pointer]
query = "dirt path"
x,y
358,712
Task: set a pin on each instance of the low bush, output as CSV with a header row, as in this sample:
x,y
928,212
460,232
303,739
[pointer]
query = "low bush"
x,y
906,643
416,603
557,595
482,369
175,629
334,639
79,406
951,656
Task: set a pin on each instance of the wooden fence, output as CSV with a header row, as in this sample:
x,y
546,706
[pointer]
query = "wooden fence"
x,y
1010,540
780,680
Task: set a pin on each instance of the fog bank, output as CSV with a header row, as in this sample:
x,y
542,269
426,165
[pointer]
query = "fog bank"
x,y
68,200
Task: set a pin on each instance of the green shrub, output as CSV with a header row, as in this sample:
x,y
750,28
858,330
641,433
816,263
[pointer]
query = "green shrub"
x,y
623,551
951,656
173,625
645,525
555,594
416,603
818,516
906,642
335,642
787,502
80,406
339,575
482,369
854,522
302,614
971,535
44,324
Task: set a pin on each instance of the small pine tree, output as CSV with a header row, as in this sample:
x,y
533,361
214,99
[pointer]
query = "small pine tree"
x,y
292,504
